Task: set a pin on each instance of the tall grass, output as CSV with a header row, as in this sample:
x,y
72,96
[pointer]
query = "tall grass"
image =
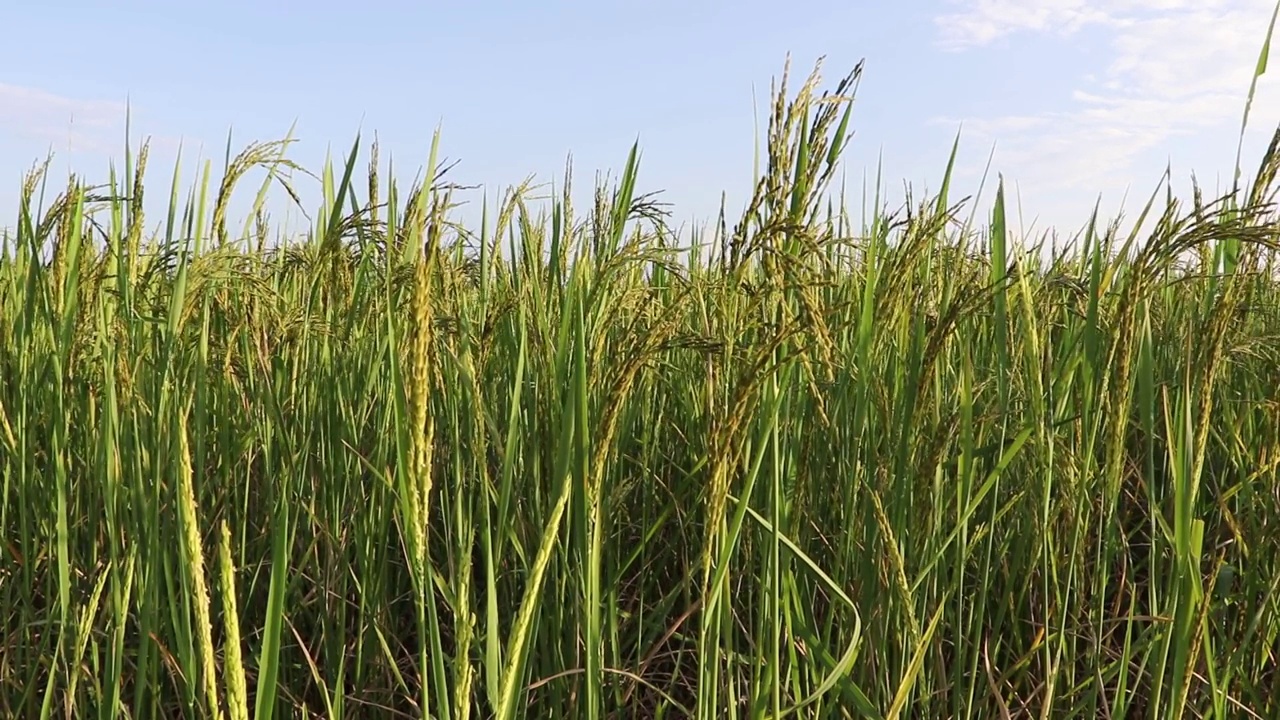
x,y
561,466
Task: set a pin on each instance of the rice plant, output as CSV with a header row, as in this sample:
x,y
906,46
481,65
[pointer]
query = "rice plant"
x,y
564,464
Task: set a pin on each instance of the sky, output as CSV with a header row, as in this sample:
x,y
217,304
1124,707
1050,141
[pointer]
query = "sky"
x,y
1073,102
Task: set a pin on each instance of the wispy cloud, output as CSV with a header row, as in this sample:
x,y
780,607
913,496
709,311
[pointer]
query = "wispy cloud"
x,y
979,22
71,124
1175,70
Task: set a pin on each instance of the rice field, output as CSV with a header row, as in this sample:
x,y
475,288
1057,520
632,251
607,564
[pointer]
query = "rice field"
x,y
560,465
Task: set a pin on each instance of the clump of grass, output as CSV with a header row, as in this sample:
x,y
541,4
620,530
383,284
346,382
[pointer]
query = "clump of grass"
x,y
563,467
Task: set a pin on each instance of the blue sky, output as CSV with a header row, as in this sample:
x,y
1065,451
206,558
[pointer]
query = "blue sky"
x,y
1077,98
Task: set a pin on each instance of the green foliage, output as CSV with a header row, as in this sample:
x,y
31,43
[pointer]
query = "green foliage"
x,y
568,468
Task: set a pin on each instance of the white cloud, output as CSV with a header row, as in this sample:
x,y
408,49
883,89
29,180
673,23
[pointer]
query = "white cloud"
x,y
70,124
980,22
1176,70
